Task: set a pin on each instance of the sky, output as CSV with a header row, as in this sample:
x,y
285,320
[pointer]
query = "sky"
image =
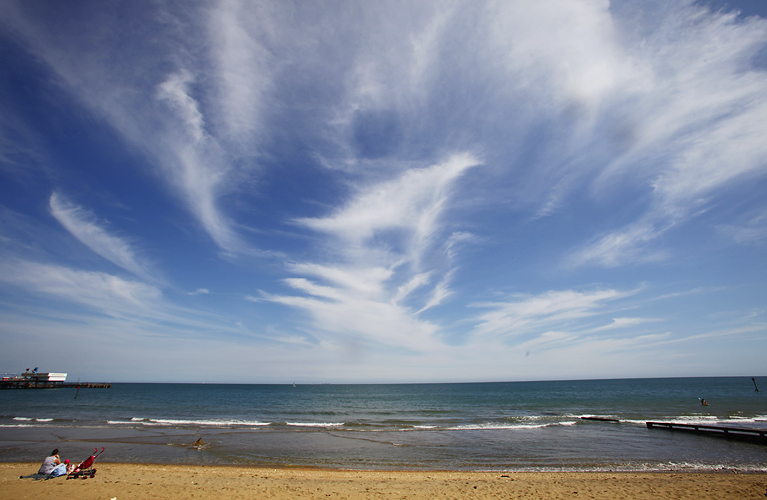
x,y
360,192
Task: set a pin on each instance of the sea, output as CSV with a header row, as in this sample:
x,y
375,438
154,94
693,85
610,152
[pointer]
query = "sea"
x,y
502,426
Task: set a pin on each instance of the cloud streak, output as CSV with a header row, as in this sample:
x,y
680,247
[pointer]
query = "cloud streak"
x,y
531,314
100,291
384,230
410,203
82,224
695,126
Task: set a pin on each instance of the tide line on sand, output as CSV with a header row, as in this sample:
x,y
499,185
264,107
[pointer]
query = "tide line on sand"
x,y
184,481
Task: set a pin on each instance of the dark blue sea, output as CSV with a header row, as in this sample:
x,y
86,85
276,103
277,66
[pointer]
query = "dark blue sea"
x,y
501,426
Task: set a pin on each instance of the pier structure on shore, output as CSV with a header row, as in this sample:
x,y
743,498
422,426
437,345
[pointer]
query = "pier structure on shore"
x,y
726,432
749,434
45,380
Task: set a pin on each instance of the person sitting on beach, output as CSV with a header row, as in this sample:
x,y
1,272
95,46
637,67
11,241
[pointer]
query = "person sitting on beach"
x,y
51,463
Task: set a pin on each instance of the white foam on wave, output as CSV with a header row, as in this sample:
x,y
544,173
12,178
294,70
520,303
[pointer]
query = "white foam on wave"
x,y
315,424
208,422
158,422
647,467
745,420
698,466
643,423
23,418
703,420
489,427
30,419
695,419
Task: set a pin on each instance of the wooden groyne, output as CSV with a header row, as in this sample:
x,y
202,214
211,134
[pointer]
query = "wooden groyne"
x,y
31,384
735,433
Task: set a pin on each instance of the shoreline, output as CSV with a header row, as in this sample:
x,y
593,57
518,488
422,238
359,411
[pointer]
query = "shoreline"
x,y
617,469
163,481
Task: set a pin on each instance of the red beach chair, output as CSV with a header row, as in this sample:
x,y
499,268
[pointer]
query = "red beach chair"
x,y
85,469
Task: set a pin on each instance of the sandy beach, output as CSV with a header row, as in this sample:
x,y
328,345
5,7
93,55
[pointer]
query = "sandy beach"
x,y
134,481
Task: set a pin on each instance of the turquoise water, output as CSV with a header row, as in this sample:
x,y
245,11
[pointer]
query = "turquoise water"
x,y
483,426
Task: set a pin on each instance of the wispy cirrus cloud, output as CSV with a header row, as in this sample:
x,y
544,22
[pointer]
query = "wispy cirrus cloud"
x,y
126,308
633,243
685,152
379,237
84,226
344,317
753,231
194,162
243,69
151,102
538,313
618,323
411,203
101,291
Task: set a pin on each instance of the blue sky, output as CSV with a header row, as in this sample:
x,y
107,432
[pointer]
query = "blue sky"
x,y
383,191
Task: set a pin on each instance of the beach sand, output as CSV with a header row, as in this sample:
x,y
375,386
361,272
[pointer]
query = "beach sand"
x,y
134,481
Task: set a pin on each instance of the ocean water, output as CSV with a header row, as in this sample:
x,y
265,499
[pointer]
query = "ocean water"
x,y
501,426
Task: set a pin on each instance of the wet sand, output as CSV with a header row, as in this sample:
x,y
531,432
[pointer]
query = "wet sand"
x,y
166,482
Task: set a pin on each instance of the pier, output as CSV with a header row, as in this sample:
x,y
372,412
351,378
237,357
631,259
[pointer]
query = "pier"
x,y
39,380
734,433
27,384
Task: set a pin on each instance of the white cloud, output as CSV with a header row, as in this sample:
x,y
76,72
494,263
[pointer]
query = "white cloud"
x,y
417,281
411,202
548,340
628,245
196,166
531,314
570,47
142,87
104,292
243,68
623,323
84,226
694,130
440,292
367,280
107,307
753,231
340,315
374,275
755,327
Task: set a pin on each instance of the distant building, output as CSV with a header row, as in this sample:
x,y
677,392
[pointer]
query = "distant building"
x,y
34,376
